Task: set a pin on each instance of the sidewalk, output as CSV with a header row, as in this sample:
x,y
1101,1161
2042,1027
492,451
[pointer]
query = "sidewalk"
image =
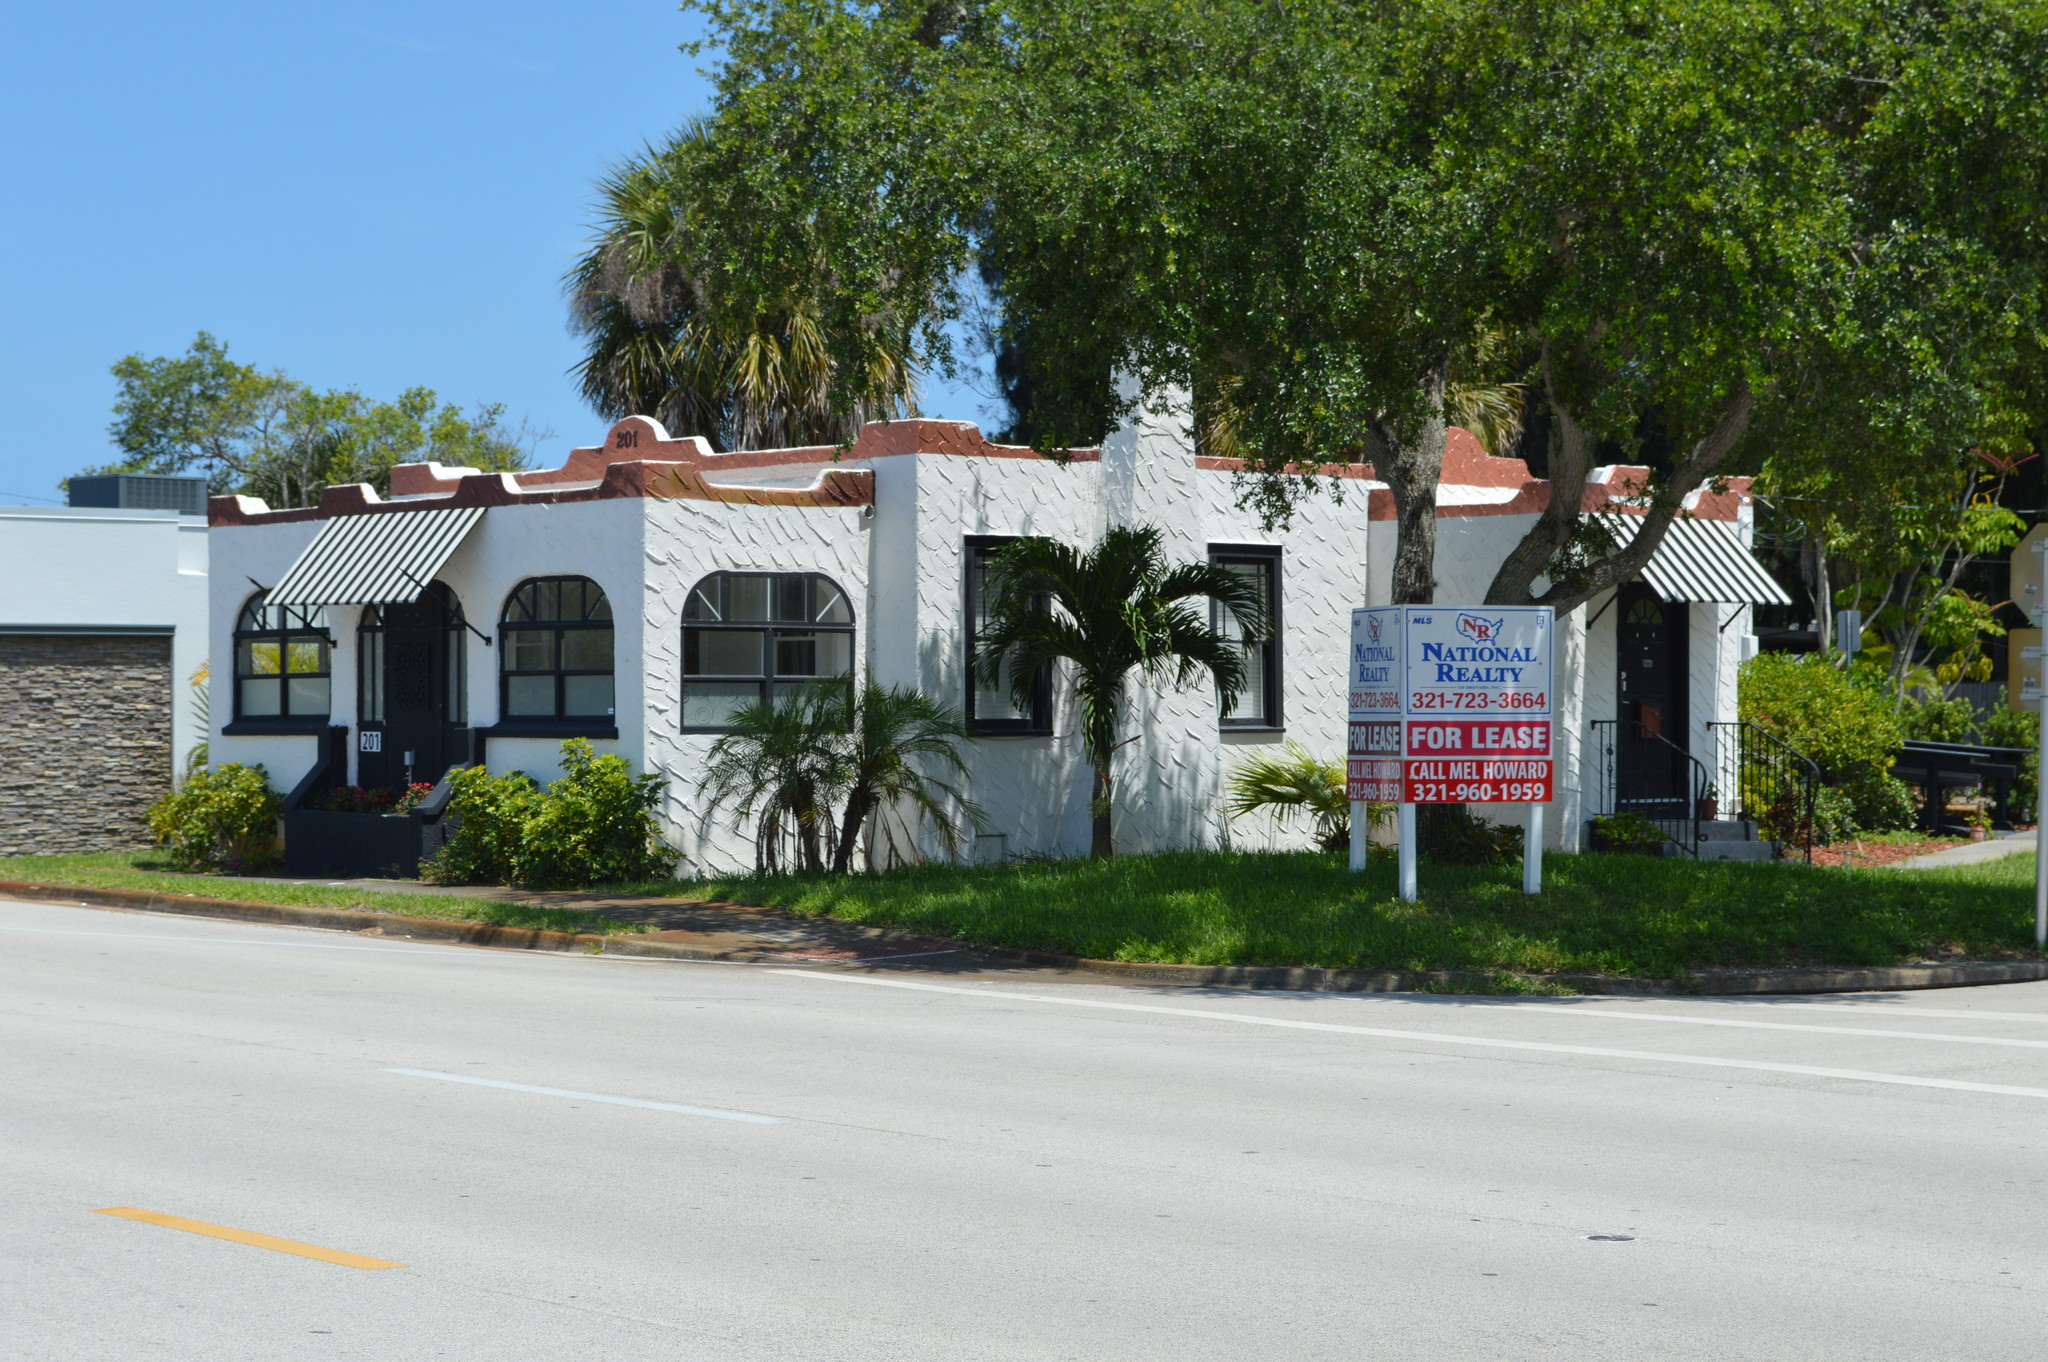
x,y
1995,847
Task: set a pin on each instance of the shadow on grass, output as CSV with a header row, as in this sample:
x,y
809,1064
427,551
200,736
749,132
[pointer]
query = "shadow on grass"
x,y
1597,914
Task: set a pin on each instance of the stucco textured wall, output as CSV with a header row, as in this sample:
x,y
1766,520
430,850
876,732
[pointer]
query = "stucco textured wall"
x,y
1325,575
684,541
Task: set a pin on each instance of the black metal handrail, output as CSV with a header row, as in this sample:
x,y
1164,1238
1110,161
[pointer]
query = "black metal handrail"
x,y
1771,783
1683,830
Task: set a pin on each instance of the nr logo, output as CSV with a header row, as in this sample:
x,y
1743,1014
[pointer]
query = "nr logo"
x,y
1478,628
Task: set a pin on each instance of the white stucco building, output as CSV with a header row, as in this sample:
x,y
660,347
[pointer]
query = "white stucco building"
x,y
636,593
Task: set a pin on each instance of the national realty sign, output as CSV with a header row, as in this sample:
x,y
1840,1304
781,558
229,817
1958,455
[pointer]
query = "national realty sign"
x,y
1450,705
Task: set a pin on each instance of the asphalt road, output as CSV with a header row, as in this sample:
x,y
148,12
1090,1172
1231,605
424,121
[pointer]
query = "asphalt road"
x,y
823,1166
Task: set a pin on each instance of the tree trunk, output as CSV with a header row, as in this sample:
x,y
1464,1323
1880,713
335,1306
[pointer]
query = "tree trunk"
x,y
1411,464
1412,468
1823,597
1099,811
809,842
858,806
1570,464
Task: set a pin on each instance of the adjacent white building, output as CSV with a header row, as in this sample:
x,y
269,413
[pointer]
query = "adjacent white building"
x,y
103,626
639,592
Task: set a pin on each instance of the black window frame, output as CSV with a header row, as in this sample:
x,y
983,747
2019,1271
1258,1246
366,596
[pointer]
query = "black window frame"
x,y
559,627
771,629
311,623
979,548
1271,655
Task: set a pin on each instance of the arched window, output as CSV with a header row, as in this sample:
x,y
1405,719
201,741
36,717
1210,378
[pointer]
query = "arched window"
x,y
556,662
281,661
748,636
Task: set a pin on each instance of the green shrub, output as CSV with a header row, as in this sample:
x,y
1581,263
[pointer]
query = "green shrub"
x,y
1851,730
1462,839
2004,727
1782,815
595,825
1876,803
224,819
1627,832
488,816
1934,720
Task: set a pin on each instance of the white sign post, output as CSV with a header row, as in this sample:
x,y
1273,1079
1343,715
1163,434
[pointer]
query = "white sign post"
x,y
1452,705
2040,800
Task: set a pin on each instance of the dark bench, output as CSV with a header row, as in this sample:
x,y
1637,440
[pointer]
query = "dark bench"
x,y
1938,767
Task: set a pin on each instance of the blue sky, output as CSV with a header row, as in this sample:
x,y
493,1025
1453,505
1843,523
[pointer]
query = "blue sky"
x,y
373,196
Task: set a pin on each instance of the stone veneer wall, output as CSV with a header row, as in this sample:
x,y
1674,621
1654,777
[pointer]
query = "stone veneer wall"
x,y
85,740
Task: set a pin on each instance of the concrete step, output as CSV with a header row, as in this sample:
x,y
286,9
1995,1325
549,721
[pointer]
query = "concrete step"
x,y
1708,830
1738,851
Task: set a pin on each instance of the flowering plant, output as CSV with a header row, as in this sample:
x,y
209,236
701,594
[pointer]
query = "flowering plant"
x,y
374,798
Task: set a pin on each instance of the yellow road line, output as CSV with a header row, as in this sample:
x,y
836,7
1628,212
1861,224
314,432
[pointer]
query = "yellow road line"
x,y
268,1241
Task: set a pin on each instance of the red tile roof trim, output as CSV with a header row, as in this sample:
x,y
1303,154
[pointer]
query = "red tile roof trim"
x,y
640,459
1467,464
602,472
834,487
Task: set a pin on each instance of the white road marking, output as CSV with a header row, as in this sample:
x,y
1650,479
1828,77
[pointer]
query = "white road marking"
x,y
220,940
1484,1042
720,1113
1900,1012
1623,1014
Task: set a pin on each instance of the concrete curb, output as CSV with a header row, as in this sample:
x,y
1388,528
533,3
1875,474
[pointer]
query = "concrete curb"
x,y
1300,979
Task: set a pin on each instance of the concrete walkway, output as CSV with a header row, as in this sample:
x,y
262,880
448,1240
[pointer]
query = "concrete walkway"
x,y
1992,848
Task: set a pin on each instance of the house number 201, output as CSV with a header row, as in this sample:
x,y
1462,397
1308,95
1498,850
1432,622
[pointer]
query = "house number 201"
x,y
370,741
626,439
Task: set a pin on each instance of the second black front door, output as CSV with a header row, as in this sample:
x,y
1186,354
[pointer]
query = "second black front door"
x,y
1650,762
413,725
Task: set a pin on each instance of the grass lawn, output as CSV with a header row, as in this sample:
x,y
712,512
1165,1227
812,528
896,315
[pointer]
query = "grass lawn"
x,y
153,871
1598,914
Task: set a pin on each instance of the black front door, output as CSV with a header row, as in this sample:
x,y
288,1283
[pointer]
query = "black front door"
x,y
413,726
1650,763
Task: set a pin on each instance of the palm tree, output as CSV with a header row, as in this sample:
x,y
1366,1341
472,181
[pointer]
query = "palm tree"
x,y
890,731
780,763
1114,609
1295,781
660,340
854,743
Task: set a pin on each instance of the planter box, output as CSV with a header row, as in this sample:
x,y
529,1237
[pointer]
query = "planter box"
x,y
358,845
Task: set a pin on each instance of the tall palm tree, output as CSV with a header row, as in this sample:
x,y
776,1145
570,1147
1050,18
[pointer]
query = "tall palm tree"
x,y
1106,612
660,340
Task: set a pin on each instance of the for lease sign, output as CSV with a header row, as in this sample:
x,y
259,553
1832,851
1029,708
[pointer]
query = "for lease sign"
x,y
1451,705
1492,659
